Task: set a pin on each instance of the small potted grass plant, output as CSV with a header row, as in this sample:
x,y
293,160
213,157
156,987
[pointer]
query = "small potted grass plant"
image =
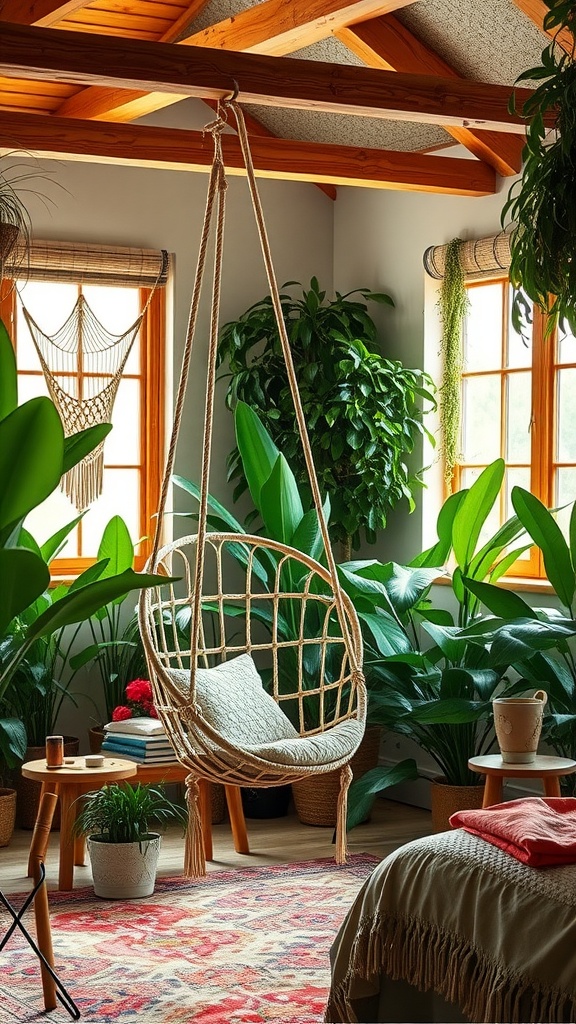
x,y
123,850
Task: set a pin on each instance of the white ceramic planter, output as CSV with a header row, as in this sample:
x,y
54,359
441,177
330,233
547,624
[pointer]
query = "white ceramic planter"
x,y
124,871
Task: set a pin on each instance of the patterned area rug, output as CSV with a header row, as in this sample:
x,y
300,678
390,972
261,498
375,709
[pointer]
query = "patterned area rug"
x,y
238,947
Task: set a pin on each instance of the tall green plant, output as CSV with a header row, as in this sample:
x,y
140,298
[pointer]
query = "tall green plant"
x,y
453,304
363,412
541,206
34,455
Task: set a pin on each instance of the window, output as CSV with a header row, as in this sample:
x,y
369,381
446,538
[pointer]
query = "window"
x,y
133,452
518,403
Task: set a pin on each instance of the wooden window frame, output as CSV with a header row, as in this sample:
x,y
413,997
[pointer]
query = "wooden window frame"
x,y
544,414
152,397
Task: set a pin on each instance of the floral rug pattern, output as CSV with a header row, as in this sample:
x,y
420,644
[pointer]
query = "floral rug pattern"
x,y
247,946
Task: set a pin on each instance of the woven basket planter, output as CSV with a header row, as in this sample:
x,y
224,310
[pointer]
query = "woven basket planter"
x,y
29,790
7,815
446,800
316,798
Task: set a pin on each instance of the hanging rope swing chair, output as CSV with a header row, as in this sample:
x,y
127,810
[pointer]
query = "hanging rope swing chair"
x,y
225,727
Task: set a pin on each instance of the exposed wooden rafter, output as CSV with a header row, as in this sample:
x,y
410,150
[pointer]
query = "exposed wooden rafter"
x,y
38,12
536,10
82,58
273,27
150,146
386,43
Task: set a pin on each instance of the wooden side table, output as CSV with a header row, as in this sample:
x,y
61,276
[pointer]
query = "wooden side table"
x,y
73,780
548,769
68,783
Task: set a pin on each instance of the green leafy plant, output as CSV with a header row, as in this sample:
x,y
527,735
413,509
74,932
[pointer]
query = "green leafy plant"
x,y
116,649
539,642
431,676
362,411
453,304
541,205
120,813
34,455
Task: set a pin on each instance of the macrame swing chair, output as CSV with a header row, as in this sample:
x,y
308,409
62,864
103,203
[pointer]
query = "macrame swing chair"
x,y
224,726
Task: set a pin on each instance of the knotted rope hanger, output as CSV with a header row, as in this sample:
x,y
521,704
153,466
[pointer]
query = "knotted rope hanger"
x,y
217,198
84,350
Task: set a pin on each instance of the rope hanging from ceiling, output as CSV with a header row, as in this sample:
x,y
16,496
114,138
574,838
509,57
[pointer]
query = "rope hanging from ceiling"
x,y
83,363
479,257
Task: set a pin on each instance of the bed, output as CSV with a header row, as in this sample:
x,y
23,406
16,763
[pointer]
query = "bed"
x,y
450,928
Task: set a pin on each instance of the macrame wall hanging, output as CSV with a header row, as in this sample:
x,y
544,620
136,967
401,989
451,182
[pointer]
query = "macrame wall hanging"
x,y
83,364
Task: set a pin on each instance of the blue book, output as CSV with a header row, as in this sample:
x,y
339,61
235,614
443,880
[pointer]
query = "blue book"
x,y
121,748
138,742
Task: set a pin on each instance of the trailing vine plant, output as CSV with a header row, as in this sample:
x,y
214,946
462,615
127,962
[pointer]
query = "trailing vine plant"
x,y
541,205
453,304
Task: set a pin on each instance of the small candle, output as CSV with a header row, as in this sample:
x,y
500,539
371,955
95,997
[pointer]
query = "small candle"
x,y
94,760
54,751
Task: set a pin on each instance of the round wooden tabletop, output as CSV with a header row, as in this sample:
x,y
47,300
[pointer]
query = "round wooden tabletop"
x,y
112,770
543,765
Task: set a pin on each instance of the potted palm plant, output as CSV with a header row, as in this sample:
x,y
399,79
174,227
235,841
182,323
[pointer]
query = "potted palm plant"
x,y
123,850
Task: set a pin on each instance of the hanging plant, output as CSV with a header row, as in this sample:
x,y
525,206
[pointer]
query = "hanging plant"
x,y
453,304
541,205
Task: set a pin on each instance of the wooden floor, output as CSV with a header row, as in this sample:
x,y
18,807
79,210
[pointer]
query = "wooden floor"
x,y
276,841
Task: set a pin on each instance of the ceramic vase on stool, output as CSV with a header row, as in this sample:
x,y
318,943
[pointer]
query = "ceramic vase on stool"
x,y
518,724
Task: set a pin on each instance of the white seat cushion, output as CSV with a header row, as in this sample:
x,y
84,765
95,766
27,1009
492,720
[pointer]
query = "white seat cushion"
x,y
338,742
234,702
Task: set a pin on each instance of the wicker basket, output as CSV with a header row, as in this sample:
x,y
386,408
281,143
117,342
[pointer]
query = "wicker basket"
x,y
316,798
7,815
446,800
29,790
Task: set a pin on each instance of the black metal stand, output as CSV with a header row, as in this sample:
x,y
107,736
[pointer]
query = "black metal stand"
x,y
61,993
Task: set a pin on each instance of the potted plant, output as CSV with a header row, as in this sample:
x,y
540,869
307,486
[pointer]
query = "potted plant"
x,y
116,820
540,206
425,677
362,411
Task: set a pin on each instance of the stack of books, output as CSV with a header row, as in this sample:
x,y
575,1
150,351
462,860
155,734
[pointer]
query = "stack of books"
x,y
138,739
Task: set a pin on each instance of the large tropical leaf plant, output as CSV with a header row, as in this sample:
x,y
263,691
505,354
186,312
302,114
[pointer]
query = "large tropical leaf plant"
x,y
34,455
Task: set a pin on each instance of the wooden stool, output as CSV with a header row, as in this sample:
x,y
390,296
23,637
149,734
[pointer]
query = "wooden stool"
x,y
547,769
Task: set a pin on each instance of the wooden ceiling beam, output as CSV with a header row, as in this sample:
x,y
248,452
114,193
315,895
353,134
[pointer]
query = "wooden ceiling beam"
x,y
273,27
387,44
277,28
537,10
87,59
171,148
38,12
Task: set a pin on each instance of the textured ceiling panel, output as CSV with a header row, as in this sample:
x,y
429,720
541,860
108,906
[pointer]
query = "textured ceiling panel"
x,y
487,40
344,130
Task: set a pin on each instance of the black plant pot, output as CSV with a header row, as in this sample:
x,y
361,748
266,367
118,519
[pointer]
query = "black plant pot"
x,y
266,803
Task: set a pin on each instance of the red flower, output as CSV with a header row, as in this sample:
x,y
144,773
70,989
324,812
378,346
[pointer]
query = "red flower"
x,y
139,690
121,713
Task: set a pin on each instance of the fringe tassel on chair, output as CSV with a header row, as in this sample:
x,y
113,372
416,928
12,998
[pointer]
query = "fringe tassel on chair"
x,y
83,483
194,860
341,812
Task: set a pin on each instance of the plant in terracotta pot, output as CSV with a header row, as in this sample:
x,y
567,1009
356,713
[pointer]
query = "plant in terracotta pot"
x,y
118,820
427,680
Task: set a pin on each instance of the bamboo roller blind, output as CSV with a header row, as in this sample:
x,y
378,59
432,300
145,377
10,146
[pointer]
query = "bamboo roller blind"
x,y
478,257
90,264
